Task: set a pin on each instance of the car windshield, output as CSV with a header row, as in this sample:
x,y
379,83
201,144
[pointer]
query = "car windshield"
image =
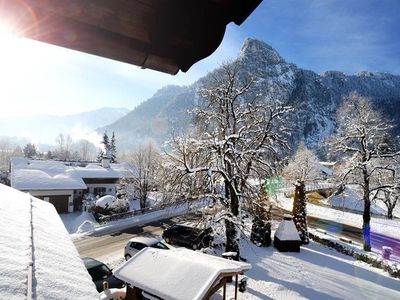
x,y
99,272
160,245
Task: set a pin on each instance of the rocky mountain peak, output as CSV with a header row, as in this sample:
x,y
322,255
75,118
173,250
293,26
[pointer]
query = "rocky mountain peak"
x,y
263,51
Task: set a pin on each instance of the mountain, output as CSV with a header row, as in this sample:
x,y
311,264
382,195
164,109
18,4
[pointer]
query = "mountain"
x,y
315,98
45,128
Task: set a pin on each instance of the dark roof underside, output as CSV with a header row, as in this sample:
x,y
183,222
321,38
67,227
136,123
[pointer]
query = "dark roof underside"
x,y
164,35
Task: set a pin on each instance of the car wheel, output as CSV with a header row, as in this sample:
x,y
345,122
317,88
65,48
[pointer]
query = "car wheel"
x,y
127,256
194,246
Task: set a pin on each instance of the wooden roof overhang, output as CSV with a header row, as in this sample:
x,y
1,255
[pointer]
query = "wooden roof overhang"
x,y
164,35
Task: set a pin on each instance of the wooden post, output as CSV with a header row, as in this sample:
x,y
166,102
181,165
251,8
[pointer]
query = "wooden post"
x,y
236,286
224,292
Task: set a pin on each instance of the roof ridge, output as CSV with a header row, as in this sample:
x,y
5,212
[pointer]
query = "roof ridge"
x,y
31,262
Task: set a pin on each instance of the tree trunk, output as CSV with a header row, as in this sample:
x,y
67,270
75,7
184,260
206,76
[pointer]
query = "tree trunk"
x,y
389,205
366,213
232,235
390,212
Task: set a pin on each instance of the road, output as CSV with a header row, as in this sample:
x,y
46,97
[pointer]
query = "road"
x,y
349,232
107,246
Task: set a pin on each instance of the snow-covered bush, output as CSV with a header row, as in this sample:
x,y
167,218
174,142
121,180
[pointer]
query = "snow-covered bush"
x,y
109,205
88,201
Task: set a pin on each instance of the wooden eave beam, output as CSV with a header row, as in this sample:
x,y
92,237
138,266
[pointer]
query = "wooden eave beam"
x,y
165,35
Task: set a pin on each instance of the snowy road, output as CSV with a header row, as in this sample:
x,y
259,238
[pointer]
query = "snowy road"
x,y
110,247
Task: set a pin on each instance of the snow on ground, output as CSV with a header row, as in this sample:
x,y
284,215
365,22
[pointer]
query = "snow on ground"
x,y
134,205
350,199
72,221
379,225
316,272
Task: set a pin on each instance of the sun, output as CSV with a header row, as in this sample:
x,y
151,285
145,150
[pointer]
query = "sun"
x,y
18,55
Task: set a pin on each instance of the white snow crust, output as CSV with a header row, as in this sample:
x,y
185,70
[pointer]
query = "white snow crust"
x,y
58,271
287,231
29,174
105,201
178,274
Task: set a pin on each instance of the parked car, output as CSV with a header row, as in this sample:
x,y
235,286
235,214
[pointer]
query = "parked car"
x,y
138,243
188,236
100,273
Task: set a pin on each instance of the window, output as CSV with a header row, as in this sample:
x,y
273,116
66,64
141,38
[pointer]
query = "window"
x,y
99,190
138,246
160,246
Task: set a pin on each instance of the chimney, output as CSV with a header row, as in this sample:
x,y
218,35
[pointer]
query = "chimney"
x,y
105,160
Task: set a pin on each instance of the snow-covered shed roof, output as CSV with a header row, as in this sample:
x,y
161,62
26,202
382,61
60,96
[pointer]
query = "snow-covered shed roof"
x,y
30,174
287,230
178,274
33,234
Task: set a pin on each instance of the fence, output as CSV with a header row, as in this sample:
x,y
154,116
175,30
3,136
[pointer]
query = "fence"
x,y
106,219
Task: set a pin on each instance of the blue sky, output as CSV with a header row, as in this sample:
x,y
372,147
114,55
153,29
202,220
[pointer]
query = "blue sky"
x,y
345,35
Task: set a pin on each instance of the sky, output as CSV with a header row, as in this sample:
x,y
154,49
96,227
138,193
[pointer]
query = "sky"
x,y
319,35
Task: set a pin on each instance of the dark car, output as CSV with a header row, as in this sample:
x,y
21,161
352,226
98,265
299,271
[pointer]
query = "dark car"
x,y
188,236
100,273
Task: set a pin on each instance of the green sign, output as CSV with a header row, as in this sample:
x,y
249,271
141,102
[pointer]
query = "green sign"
x,y
273,185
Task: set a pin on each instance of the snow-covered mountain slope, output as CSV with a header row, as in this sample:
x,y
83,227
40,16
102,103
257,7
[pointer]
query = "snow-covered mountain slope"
x,y
45,128
314,97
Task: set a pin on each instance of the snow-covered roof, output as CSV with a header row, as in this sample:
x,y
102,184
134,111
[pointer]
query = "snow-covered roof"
x,y
287,230
29,174
178,274
324,169
32,232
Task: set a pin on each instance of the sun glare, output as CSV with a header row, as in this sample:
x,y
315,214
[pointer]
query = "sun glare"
x,y
14,64
8,49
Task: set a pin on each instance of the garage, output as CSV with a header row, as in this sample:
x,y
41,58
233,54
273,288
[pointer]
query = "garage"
x,y
60,202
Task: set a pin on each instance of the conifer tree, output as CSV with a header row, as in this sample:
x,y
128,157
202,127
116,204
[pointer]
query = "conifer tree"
x,y
299,211
261,228
113,149
105,141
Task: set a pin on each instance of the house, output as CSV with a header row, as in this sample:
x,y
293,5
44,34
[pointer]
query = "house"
x,y
37,257
64,183
178,274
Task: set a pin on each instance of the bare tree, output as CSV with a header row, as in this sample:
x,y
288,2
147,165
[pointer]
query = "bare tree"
x,y
64,147
359,140
303,168
146,160
386,186
8,150
238,135
86,150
